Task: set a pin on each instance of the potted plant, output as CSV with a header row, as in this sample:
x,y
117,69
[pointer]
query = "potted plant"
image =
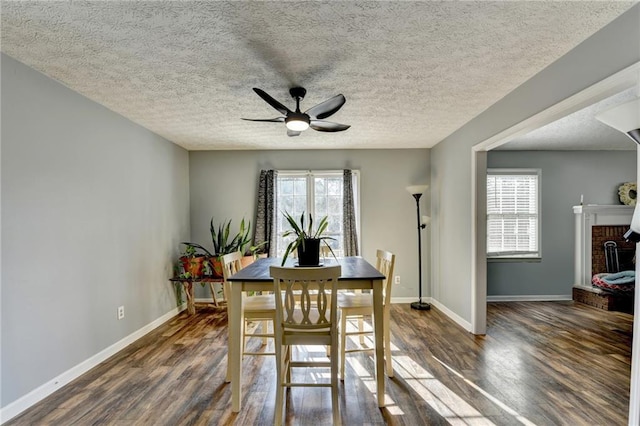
x,y
193,263
307,240
243,240
225,243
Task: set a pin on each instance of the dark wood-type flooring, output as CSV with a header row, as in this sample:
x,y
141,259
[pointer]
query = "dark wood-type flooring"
x,y
541,363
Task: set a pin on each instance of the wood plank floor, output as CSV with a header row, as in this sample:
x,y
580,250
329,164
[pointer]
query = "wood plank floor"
x,y
541,363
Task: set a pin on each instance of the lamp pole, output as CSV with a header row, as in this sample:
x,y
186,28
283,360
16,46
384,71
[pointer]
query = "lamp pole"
x,y
417,191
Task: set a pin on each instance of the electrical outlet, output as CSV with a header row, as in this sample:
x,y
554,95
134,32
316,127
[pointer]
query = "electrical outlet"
x,y
397,279
120,312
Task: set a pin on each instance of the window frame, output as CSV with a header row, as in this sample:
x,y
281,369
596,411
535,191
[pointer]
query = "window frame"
x,y
310,175
514,256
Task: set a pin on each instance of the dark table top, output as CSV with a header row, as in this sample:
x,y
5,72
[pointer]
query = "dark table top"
x,y
353,268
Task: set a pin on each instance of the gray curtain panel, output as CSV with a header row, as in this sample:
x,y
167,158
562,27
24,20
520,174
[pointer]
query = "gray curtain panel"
x,y
349,215
266,211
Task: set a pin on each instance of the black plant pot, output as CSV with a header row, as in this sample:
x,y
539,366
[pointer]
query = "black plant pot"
x,y
310,254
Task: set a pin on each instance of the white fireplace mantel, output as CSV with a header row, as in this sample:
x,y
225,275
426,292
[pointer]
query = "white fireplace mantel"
x,y
586,217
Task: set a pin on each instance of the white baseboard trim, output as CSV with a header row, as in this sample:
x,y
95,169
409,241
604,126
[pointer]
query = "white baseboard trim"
x,y
531,298
407,299
455,317
18,406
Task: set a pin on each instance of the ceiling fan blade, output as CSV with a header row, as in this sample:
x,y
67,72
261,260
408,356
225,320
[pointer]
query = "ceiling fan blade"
x,y
327,108
271,120
268,99
293,133
327,126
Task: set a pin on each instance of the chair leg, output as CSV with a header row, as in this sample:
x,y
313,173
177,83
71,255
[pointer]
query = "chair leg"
x,y
335,404
387,346
287,363
361,329
243,331
343,344
265,330
280,372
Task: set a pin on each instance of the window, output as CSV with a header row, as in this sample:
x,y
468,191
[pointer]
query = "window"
x,y
513,205
317,192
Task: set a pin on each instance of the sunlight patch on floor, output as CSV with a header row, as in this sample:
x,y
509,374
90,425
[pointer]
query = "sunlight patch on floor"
x,y
490,397
435,393
453,408
352,326
367,379
442,399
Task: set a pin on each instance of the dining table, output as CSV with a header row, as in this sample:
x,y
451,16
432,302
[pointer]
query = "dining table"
x,y
356,274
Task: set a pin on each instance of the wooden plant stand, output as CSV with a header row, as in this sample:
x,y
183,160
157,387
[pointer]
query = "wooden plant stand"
x,y
187,284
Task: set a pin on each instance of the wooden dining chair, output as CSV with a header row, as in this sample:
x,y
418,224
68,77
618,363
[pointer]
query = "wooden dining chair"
x,y
303,317
260,308
355,305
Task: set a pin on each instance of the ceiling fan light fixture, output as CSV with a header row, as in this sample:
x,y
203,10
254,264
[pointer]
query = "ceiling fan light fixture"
x,y
297,122
624,118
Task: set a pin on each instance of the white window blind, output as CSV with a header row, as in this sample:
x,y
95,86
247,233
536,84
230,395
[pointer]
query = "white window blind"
x,y
513,213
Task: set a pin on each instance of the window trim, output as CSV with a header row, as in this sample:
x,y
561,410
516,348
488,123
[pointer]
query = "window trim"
x,y
337,172
524,257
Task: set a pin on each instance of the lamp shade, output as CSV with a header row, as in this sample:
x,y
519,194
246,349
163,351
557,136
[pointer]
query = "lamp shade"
x,y
416,189
624,118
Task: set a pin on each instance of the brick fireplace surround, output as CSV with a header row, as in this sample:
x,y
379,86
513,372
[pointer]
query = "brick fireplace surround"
x,y
596,225
600,234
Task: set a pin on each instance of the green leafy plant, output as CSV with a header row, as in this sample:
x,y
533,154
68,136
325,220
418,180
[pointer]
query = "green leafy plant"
x,y
255,250
303,233
193,262
224,243
191,250
243,236
178,289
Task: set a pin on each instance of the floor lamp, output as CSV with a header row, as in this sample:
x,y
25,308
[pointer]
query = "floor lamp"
x,y
416,191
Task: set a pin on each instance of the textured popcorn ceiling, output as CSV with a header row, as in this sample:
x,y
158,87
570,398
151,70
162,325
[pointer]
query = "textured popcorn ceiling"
x,y
412,72
579,130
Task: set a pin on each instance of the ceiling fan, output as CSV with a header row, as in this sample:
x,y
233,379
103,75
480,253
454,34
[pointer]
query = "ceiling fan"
x,y
297,121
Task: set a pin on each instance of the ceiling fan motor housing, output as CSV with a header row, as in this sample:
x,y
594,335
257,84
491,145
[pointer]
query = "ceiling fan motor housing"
x,y
298,92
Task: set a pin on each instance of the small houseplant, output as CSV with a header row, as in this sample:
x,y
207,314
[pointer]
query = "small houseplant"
x,y
193,262
307,239
224,242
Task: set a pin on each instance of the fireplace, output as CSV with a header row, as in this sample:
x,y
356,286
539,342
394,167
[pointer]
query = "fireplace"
x,y
595,225
618,254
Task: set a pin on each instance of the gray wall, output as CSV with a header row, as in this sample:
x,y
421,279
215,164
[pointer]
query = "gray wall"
x,y
224,186
612,49
93,208
565,176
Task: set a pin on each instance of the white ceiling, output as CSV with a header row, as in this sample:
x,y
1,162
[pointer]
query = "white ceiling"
x,y
412,72
579,130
